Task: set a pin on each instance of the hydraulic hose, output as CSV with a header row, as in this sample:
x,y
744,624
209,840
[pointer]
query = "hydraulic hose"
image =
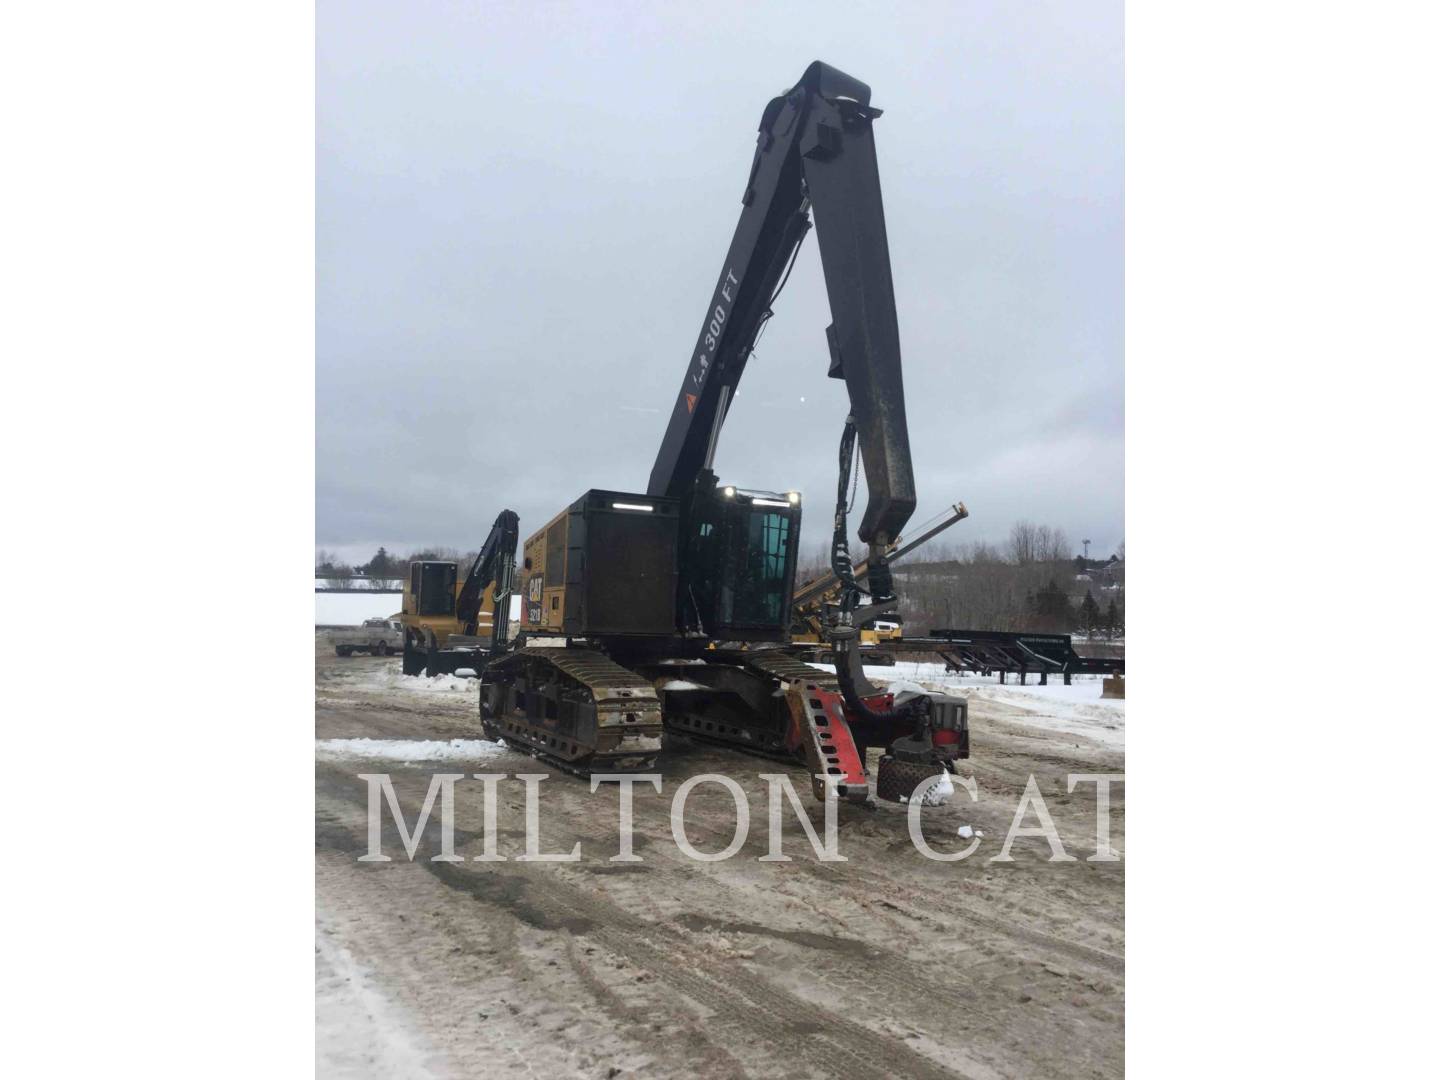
x,y
840,562
881,589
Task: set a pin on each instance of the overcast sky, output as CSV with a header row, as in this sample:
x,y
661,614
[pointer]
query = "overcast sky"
x,y
522,209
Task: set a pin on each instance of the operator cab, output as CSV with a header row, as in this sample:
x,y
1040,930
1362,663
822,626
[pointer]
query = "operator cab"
x,y
739,570
430,589
620,565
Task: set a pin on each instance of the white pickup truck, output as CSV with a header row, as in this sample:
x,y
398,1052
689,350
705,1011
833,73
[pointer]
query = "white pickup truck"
x,y
378,637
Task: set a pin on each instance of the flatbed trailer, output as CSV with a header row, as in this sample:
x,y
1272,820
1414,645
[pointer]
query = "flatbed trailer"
x,y
1002,653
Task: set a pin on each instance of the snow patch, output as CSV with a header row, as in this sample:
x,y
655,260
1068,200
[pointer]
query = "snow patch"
x,y
900,686
939,794
390,678
405,750
359,1031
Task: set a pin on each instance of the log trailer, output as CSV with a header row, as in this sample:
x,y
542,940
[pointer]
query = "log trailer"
x,y
670,609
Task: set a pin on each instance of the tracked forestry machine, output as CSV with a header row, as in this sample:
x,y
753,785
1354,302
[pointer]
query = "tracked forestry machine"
x,y
450,623
670,609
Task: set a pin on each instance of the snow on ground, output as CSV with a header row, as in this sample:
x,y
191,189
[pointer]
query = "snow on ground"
x,y
353,608
389,678
1077,709
359,1033
405,750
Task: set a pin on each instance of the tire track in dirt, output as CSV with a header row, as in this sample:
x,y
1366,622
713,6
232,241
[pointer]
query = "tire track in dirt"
x,y
883,967
647,944
742,1005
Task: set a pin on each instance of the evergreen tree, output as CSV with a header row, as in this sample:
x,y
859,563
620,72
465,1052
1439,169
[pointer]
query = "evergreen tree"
x,y
1089,614
1112,619
1052,608
381,566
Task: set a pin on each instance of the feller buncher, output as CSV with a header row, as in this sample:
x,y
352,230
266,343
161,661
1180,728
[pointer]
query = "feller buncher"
x,y
450,624
670,609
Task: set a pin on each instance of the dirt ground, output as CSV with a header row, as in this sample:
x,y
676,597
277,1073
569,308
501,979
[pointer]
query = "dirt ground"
x,y
886,965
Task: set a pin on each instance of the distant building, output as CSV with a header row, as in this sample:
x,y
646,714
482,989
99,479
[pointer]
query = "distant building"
x,y
1106,572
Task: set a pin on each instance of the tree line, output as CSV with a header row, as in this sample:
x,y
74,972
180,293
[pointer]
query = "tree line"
x,y
1033,582
383,567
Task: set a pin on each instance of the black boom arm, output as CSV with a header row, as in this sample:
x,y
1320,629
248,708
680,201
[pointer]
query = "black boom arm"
x,y
495,563
815,150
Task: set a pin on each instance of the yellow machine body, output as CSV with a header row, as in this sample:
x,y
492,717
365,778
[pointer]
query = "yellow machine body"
x,y
428,609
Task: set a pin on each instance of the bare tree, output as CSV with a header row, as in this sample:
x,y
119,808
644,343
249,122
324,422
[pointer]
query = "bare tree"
x,y
1024,543
1031,543
978,586
981,553
1051,545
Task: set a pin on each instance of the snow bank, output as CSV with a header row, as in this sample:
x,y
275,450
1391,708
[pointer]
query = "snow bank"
x,y
405,750
389,678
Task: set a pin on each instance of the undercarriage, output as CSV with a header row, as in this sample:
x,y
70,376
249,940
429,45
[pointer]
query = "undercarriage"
x,y
588,713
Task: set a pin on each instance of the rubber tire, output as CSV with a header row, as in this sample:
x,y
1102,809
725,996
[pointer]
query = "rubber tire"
x,y
897,780
379,650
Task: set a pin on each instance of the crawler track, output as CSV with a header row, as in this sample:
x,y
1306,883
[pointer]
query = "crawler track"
x,y
735,702
781,665
573,707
